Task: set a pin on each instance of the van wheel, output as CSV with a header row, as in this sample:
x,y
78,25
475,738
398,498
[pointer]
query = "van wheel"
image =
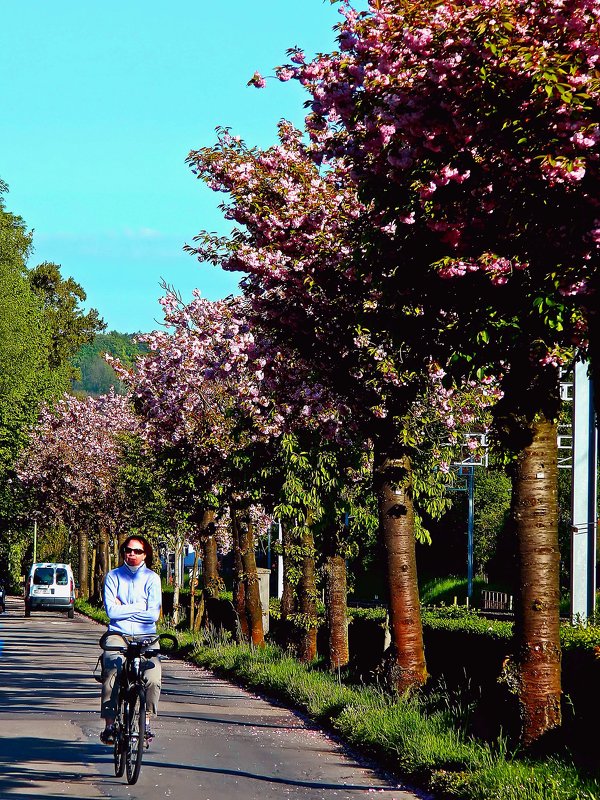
x,y
71,613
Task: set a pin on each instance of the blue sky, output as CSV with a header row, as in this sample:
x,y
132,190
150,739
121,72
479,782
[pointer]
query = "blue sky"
x,y
102,101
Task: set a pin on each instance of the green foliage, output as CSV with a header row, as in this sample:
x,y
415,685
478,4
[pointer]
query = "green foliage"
x,y
565,524
25,377
24,347
13,547
376,614
415,742
41,327
97,377
54,543
92,611
141,491
492,507
69,326
584,637
327,487
444,591
430,493
460,618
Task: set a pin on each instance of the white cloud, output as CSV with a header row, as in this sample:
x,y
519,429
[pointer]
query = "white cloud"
x,y
128,243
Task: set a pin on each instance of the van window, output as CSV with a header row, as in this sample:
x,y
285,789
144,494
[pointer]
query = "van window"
x,y
62,577
43,576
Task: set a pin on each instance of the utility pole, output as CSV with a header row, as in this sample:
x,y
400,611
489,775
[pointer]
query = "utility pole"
x,y
280,563
584,512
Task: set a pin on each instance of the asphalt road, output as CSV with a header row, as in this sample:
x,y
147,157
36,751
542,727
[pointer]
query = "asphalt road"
x,y
214,741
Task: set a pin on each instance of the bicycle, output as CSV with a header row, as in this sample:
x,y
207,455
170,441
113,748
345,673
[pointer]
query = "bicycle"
x,y
130,720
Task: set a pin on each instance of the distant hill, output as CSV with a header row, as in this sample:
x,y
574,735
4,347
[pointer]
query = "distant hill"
x,y
97,376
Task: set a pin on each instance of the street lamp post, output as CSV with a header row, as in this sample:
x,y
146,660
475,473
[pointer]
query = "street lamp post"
x,y
470,526
466,470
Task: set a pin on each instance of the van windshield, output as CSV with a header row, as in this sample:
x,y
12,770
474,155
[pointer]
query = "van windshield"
x,y
43,576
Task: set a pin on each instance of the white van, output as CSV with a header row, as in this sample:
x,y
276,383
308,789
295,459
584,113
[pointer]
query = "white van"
x,y
50,587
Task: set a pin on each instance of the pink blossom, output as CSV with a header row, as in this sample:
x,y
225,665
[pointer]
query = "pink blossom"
x,y
284,74
257,80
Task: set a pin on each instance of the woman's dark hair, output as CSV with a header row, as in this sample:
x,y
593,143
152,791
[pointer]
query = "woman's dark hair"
x,y
148,550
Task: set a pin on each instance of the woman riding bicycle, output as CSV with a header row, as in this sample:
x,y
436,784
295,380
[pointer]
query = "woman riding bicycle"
x,y
132,600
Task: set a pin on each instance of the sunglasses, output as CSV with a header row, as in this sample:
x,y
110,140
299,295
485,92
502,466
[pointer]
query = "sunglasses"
x,y
136,550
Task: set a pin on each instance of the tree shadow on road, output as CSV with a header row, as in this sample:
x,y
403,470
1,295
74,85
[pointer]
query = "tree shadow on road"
x,y
240,773
24,764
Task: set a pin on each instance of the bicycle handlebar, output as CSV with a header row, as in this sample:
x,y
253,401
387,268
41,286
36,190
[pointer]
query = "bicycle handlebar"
x,y
144,644
159,639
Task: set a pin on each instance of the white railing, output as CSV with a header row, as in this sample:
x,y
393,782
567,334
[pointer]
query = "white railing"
x,y
496,601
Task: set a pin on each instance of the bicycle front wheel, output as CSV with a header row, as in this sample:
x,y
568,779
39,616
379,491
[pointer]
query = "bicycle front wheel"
x,y
135,732
119,748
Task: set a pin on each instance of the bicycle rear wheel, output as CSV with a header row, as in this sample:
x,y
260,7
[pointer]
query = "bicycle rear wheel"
x,y
135,732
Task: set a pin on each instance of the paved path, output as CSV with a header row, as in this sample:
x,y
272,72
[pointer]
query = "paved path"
x,y
214,740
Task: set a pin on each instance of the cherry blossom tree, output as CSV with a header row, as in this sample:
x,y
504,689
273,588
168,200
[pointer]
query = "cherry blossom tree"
x,y
71,464
197,392
351,366
472,129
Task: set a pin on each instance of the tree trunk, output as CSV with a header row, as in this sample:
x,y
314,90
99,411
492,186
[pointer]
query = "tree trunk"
x,y
177,579
537,635
199,613
84,567
336,597
393,487
104,552
251,587
239,588
210,565
307,595
336,611
115,550
101,562
193,584
95,596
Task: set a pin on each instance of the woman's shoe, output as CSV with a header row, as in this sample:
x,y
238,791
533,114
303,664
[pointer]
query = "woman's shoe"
x,y
107,736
